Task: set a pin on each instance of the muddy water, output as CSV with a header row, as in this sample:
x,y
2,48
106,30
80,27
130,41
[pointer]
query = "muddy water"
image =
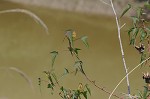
x,y
25,45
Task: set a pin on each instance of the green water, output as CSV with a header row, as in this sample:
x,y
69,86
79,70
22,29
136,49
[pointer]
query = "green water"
x,y
25,45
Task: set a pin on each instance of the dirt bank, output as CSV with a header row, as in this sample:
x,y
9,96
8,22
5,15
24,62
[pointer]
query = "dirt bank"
x,y
87,6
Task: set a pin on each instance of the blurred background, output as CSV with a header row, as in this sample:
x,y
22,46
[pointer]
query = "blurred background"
x,y
25,45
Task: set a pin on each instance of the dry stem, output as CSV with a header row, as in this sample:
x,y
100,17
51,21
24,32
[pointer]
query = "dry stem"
x,y
31,14
128,75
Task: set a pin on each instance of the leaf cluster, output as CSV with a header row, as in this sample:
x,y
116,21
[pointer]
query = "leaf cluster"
x,y
53,81
75,94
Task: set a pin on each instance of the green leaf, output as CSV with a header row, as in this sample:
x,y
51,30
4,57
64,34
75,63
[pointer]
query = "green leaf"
x,y
79,64
84,39
148,30
139,12
53,55
135,32
125,10
132,41
66,71
143,57
76,94
130,31
50,86
54,76
145,92
88,89
147,5
135,20
51,80
76,50
143,35
69,37
76,71
140,94
62,88
85,94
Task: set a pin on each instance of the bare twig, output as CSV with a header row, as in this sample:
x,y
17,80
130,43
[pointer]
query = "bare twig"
x,y
121,46
128,75
122,25
105,2
120,41
101,88
31,14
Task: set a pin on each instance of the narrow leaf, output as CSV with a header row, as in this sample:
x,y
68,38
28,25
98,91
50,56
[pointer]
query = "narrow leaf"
x,y
145,92
148,30
62,88
54,76
85,94
139,12
143,57
78,64
76,71
135,20
66,71
125,10
135,32
147,5
76,50
69,35
143,35
129,31
140,94
88,89
132,41
49,86
84,39
51,80
53,55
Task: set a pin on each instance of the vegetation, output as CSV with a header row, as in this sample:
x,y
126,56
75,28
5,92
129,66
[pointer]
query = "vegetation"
x,y
138,35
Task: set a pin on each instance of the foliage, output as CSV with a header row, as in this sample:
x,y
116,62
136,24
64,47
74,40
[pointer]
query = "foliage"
x,y
139,32
53,81
138,35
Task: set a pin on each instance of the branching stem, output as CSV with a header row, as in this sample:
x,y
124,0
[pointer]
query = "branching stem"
x,y
121,46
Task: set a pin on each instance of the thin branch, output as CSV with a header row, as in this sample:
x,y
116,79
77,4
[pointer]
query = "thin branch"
x,y
128,75
101,88
121,46
122,25
105,2
91,81
31,14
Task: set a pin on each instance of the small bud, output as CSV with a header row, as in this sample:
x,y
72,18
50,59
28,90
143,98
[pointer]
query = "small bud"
x,y
74,34
80,87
